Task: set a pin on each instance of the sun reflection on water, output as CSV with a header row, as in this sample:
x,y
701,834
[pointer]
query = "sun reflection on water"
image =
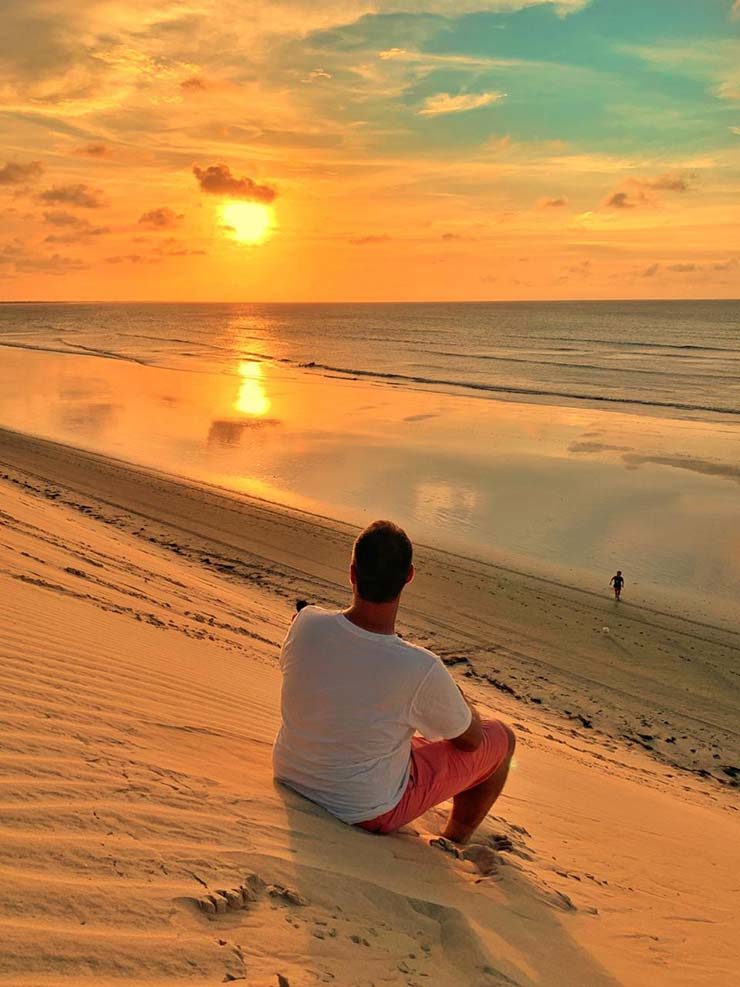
x,y
252,398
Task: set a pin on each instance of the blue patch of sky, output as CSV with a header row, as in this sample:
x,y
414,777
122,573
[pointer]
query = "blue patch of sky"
x,y
581,84
581,38
594,106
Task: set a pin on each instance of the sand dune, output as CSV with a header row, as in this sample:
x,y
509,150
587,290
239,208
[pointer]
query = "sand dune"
x,y
143,841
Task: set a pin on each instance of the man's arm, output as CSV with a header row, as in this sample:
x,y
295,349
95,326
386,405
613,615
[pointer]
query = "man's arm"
x,y
472,738
441,711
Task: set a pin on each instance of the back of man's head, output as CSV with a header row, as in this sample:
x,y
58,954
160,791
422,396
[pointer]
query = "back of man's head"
x,y
382,558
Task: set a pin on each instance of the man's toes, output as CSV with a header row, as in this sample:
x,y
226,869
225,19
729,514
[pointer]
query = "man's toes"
x,y
442,843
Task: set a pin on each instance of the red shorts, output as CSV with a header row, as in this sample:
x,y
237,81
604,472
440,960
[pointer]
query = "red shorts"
x,y
440,770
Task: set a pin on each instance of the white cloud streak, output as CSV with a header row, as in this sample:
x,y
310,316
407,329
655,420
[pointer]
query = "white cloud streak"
x,y
442,103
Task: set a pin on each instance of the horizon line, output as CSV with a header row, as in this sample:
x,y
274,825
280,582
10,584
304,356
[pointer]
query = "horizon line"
x,y
348,301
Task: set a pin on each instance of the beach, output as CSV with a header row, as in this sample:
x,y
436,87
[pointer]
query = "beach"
x,y
141,618
370,420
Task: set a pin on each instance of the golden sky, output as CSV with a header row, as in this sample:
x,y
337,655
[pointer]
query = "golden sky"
x,y
369,149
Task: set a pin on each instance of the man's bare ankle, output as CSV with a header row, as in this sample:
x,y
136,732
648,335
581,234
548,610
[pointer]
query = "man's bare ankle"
x,y
457,834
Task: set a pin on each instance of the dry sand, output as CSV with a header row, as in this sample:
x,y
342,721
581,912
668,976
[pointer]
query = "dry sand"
x,y
140,619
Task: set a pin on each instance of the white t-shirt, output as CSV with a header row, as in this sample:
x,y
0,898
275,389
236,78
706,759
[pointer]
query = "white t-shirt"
x,y
351,702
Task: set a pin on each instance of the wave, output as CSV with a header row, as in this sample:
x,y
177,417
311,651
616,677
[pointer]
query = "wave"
x,y
528,391
572,366
93,351
76,349
639,343
207,345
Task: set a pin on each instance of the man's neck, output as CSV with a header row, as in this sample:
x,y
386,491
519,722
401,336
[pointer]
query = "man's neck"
x,y
380,618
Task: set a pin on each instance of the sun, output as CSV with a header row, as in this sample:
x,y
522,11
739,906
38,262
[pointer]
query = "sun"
x,y
247,222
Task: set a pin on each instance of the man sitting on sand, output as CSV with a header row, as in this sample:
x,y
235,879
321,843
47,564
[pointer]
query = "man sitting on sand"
x,y
354,694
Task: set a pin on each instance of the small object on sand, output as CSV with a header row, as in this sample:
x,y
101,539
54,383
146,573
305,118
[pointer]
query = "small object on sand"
x,y
283,981
604,630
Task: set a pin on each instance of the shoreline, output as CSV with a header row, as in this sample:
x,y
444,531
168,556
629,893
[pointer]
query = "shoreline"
x,y
467,390
677,700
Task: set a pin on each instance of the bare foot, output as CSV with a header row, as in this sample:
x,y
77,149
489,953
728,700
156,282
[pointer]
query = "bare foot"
x,y
484,858
442,843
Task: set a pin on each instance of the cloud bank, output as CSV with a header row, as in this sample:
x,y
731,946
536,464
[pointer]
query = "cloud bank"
x,y
74,195
218,180
15,173
163,218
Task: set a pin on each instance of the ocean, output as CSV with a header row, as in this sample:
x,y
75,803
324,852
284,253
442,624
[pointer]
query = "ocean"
x,y
663,357
563,439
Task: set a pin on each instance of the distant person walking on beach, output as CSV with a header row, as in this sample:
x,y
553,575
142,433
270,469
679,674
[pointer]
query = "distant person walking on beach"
x,y
617,582
354,695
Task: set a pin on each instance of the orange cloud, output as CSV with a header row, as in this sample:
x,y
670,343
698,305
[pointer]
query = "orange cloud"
x,y
74,229
93,151
636,191
18,257
618,200
61,218
130,258
77,236
670,182
218,180
548,203
163,218
194,84
690,267
74,195
15,173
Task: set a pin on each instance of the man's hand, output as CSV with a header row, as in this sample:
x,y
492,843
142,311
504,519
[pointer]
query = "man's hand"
x,y
473,736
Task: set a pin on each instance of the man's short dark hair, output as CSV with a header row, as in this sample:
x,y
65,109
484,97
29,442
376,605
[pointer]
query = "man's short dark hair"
x,y
382,556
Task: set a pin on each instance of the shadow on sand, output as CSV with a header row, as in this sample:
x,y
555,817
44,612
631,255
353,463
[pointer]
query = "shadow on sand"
x,y
419,912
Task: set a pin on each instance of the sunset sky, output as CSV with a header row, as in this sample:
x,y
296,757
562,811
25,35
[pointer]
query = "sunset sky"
x,y
281,150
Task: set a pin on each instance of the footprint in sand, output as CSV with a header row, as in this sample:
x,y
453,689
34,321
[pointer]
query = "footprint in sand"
x,y
223,900
219,902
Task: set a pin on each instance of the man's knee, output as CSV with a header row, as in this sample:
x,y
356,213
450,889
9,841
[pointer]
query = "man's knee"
x,y
510,735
